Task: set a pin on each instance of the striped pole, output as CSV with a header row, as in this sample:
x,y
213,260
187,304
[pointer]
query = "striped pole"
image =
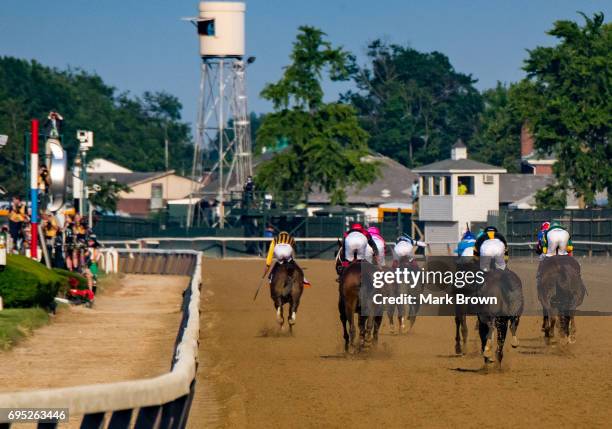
x,y
34,190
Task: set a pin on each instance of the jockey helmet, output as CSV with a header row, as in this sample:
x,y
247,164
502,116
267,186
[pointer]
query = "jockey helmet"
x,y
555,224
490,231
545,226
357,226
285,238
468,235
374,230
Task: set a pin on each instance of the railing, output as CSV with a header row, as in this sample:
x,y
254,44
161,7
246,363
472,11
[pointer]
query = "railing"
x,y
326,247
159,402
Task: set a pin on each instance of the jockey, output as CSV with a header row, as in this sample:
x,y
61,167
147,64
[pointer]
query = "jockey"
x,y
466,245
491,245
355,244
405,247
282,249
556,241
541,233
380,245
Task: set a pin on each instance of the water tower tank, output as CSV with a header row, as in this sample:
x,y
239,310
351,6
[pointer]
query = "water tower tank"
x,y
221,29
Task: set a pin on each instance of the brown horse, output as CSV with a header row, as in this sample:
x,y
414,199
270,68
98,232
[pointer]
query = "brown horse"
x,y
286,287
353,298
560,290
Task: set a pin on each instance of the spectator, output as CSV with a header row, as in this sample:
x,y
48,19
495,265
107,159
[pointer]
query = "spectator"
x,y
17,217
50,230
249,190
462,189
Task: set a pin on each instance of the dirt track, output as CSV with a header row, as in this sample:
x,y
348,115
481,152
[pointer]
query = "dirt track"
x,y
250,376
129,334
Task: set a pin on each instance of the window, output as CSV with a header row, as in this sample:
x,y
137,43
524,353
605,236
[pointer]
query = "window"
x,y
437,185
206,27
425,185
465,185
447,185
157,196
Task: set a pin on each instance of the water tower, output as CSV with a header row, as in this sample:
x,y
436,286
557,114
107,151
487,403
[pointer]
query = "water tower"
x,y
223,120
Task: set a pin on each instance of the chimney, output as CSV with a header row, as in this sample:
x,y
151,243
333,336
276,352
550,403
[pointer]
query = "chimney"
x,y
459,151
527,141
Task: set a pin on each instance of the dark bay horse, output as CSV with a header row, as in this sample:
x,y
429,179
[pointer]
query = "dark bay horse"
x,y
286,287
355,296
560,291
506,287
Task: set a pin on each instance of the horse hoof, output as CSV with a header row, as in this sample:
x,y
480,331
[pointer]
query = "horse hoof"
x,y
292,322
572,339
458,349
515,342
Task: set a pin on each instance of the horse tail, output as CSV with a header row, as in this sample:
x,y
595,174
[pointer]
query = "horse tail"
x,y
355,255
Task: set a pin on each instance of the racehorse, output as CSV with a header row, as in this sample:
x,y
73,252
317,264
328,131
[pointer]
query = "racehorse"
x,y
353,297
404,311
560,291
506,287
286,287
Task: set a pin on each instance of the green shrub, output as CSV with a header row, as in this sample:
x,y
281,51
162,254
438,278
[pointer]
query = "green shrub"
x,y
27,283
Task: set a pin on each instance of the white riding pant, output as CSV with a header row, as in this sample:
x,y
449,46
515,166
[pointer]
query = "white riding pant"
x,y
283,252
403,249
557,242
468,251
355,243
492,250
380,246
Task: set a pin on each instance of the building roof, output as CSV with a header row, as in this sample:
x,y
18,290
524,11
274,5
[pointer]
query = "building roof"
x,y
127,178
101,165
458,166
515,187
394,185
459,144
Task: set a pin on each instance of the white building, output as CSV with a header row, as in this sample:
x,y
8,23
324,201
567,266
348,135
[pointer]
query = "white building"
x,y
454,193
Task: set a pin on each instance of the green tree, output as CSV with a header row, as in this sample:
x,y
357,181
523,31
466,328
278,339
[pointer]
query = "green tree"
x,y
414,105
128,130
107,196
569,104
498,138
326,144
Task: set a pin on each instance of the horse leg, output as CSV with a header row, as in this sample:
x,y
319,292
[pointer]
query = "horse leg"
x,y
377,323
464,332
362,330
390,310
401,317
514,322
572,329
343,322
563,328
350,317
294,303
278,306
458,335
485,330
501,323
412,315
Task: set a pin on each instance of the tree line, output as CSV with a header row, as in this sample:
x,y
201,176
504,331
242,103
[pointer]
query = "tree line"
x,y
412,106
129,130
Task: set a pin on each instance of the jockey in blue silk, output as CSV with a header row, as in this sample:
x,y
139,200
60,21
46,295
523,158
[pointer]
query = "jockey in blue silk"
x,y
466,245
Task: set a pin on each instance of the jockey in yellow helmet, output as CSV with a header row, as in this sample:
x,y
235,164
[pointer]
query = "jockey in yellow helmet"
x,y
282,249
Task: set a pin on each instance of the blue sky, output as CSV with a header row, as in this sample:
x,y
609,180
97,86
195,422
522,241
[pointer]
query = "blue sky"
x,y
143,45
